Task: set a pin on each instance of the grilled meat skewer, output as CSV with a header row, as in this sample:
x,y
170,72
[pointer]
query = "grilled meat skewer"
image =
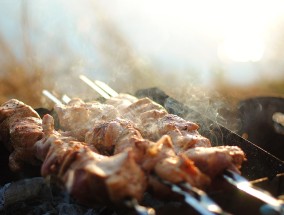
x,y
200,204
59,154
153,122
162,167
170,170
119,135
64,156
87,175
234,156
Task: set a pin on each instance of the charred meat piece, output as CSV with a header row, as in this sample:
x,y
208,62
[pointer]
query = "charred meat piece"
x,y
11,111
214,160
20,128
16,108
23,134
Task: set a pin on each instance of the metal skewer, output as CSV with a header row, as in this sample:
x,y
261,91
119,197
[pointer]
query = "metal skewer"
x,y
106,88
94,87
140,210
204,199
243,184
66,99
51,97
195,198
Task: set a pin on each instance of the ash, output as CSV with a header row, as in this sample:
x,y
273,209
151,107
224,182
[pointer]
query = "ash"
x,y
35,196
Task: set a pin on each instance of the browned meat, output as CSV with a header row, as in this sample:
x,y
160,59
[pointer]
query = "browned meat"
x,y
121,101
87,175
9,112
120,135
16,108
214,160
20,128
154,121
79,116
150,118
114,136
174,152
23,134
134,111
95,178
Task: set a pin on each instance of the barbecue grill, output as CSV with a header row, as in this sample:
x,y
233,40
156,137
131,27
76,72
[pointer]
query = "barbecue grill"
x,y
262,169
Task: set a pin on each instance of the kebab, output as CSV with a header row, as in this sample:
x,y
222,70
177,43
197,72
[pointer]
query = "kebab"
x,y
106,136
234,156
33,142
88,176
153,121
102,137
118,135
78,166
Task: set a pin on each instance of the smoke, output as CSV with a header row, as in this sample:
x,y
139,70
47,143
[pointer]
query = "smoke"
x,y
93,44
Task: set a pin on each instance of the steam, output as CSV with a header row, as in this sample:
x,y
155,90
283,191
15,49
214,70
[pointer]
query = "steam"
x,y
207,104
104,52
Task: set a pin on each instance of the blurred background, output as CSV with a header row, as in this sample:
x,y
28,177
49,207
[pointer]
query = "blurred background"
x,y
208,54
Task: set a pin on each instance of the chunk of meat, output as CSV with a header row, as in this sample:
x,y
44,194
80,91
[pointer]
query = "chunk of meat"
x,y
20,128
214,160
79,116
154,121
121,101
23,135
16,109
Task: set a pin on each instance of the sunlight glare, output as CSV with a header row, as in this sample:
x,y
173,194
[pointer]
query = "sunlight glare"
x,y
242,48
245,30
234,30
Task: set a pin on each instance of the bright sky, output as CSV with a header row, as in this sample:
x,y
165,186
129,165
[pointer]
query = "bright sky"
x,y
234,35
